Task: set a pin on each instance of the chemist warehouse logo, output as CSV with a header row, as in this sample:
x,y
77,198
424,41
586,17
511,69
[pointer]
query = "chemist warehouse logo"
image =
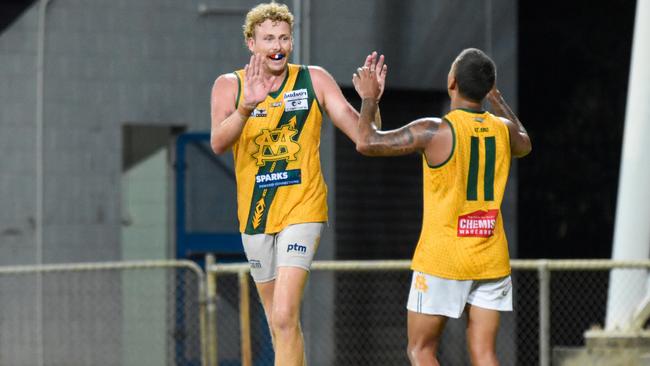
x,y
479,224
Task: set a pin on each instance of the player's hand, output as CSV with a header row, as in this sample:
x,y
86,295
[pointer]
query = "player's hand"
x,y
494,95
380,69
256,86
366,83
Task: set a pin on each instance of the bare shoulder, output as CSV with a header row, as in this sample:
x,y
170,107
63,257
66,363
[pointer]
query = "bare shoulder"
x,y
223,98
324,84
321,79
434,130
427,129
226,82
428,120
224,92
317,72
511,126
504,120
427,123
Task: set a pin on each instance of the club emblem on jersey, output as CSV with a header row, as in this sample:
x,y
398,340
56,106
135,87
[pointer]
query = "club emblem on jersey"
x,y
277,144
421,283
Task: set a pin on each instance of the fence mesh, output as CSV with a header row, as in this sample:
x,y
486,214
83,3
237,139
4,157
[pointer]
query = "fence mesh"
x,y
103,316
359,318
147,315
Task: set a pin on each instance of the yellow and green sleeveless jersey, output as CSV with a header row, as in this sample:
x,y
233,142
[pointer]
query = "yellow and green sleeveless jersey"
x,y
277,158
462,234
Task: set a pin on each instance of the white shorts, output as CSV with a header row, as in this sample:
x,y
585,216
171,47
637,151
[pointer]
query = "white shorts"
x,y
294,246
440,296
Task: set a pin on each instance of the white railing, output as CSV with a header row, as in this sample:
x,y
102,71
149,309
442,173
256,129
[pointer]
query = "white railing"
x,y
544,269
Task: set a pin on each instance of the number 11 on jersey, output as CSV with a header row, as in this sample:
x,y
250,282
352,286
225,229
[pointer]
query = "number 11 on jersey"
x,y
488,166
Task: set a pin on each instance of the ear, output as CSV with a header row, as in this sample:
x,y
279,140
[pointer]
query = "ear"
x,y
250,42
451,83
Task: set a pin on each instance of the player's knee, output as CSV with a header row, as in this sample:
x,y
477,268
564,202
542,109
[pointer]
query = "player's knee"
x,y
419,351
483,355
284,319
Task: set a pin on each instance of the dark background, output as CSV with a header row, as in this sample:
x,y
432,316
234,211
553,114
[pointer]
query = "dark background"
x,y
572,80
574,59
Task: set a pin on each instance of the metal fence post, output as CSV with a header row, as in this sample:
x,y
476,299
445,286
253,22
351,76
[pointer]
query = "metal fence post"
x,y
544,312
203,321
245,319
212,311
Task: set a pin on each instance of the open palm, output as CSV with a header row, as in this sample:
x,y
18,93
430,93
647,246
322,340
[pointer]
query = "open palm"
x,y
256,86
379,68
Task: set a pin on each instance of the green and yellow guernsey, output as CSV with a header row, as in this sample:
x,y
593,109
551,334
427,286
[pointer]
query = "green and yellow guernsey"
x,y
462,234
277,158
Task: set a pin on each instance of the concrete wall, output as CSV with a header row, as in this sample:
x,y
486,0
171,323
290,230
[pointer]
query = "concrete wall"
x,y
115,62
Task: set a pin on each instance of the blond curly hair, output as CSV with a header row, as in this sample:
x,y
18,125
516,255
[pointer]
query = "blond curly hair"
x,y
262,12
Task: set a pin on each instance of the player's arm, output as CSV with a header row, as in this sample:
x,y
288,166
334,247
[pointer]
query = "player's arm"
x,y
520,144
227,121
414,137
339,110
334,104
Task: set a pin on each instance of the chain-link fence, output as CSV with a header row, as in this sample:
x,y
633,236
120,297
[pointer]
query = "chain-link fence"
x,y
354,313
127,313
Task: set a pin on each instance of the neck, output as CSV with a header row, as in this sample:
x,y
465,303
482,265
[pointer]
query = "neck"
x,y
458,103
279,77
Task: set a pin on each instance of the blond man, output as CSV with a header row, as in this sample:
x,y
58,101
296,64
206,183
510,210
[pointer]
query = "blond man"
x,y
270,114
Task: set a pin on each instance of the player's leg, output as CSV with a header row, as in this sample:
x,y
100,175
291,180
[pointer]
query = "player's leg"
x,y
289,344
296,246
486,300
482,328
265,290
432,300
260,251
424,332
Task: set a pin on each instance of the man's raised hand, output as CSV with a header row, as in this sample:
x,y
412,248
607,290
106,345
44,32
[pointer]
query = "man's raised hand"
x,y
256,85
379,68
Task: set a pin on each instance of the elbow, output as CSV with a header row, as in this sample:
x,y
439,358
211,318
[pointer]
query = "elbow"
x,y
523,150
218,147
361,148
364,148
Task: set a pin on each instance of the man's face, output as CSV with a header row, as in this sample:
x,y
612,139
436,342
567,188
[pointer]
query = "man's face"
x,y
273,40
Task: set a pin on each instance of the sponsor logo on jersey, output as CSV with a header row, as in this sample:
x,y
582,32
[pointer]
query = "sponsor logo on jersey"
x,y
295,247
277,179
258,112
276,104
295,94
479,224
277,144
255,263
296,100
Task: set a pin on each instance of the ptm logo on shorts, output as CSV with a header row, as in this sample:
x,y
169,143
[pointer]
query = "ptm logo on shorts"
x,y
255,263
479,224
295,247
